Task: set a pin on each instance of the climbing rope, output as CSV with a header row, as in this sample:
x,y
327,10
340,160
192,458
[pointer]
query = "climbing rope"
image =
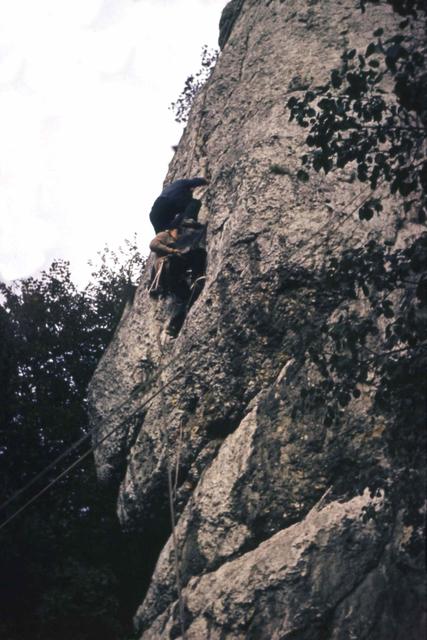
x,y
178,458
175,555
80,458
156,280
172,490
342,219
42,473
193,290
148,383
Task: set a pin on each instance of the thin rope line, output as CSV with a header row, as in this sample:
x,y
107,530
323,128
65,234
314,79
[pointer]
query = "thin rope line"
x,y
42,473
172,509
79,459
45,489
178,458
71,448
342,219
175,554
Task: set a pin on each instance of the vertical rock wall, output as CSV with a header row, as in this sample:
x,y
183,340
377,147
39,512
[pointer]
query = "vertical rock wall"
x,y
277,536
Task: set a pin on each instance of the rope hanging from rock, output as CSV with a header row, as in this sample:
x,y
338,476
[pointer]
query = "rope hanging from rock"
x,y
72,465
156,280
172,487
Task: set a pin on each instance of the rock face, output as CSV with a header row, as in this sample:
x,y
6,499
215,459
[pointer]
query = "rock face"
x,y
277,534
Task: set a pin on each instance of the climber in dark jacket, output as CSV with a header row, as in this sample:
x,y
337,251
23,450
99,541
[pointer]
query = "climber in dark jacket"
x,y
176,198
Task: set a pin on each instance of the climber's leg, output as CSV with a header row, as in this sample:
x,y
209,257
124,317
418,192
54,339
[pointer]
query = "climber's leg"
x,y
162,213
197,263
177,319
192,210
179,291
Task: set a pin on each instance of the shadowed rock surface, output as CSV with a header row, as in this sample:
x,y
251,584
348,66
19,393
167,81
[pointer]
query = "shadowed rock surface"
x,y
277,534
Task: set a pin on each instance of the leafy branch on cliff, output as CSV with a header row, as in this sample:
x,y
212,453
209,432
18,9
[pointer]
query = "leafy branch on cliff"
x,y
352,120
371,118
194,84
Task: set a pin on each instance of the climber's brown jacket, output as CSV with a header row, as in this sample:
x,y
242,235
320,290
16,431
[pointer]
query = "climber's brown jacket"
x,y
163,244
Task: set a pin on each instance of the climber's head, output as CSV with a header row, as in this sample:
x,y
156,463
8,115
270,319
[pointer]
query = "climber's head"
x,y
174,226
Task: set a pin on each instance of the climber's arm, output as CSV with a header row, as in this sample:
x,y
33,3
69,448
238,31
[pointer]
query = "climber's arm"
x,y
159,246
192,183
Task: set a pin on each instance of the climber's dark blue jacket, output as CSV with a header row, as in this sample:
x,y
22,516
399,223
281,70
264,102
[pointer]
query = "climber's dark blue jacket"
x,y
180,190
175,199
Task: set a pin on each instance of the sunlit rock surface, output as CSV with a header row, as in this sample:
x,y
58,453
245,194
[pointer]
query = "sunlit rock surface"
x,y
277,535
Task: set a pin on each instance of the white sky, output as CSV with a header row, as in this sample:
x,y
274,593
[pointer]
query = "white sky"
x,y
85,129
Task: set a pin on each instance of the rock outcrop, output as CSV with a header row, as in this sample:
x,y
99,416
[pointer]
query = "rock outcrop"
x,y
279,532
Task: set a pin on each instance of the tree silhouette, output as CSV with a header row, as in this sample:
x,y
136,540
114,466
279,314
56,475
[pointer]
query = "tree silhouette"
x,y
63,558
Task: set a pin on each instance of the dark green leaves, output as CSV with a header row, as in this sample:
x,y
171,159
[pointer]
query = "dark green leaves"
x,y
303,175
352,120
367,210
65,547
370,49
194,84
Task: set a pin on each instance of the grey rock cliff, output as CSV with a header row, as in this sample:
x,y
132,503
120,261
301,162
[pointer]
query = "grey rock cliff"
x,y
277,535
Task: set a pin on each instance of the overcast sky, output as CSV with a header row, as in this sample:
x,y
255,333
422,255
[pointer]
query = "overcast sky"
x,y
85,129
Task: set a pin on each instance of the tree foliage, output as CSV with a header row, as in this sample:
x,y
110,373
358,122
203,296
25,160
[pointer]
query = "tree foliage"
x,y
62,557
194,84
353,121
371,118
401,7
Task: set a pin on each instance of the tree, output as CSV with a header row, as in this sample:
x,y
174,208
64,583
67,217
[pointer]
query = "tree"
x,y
194,84
371,118
62,557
